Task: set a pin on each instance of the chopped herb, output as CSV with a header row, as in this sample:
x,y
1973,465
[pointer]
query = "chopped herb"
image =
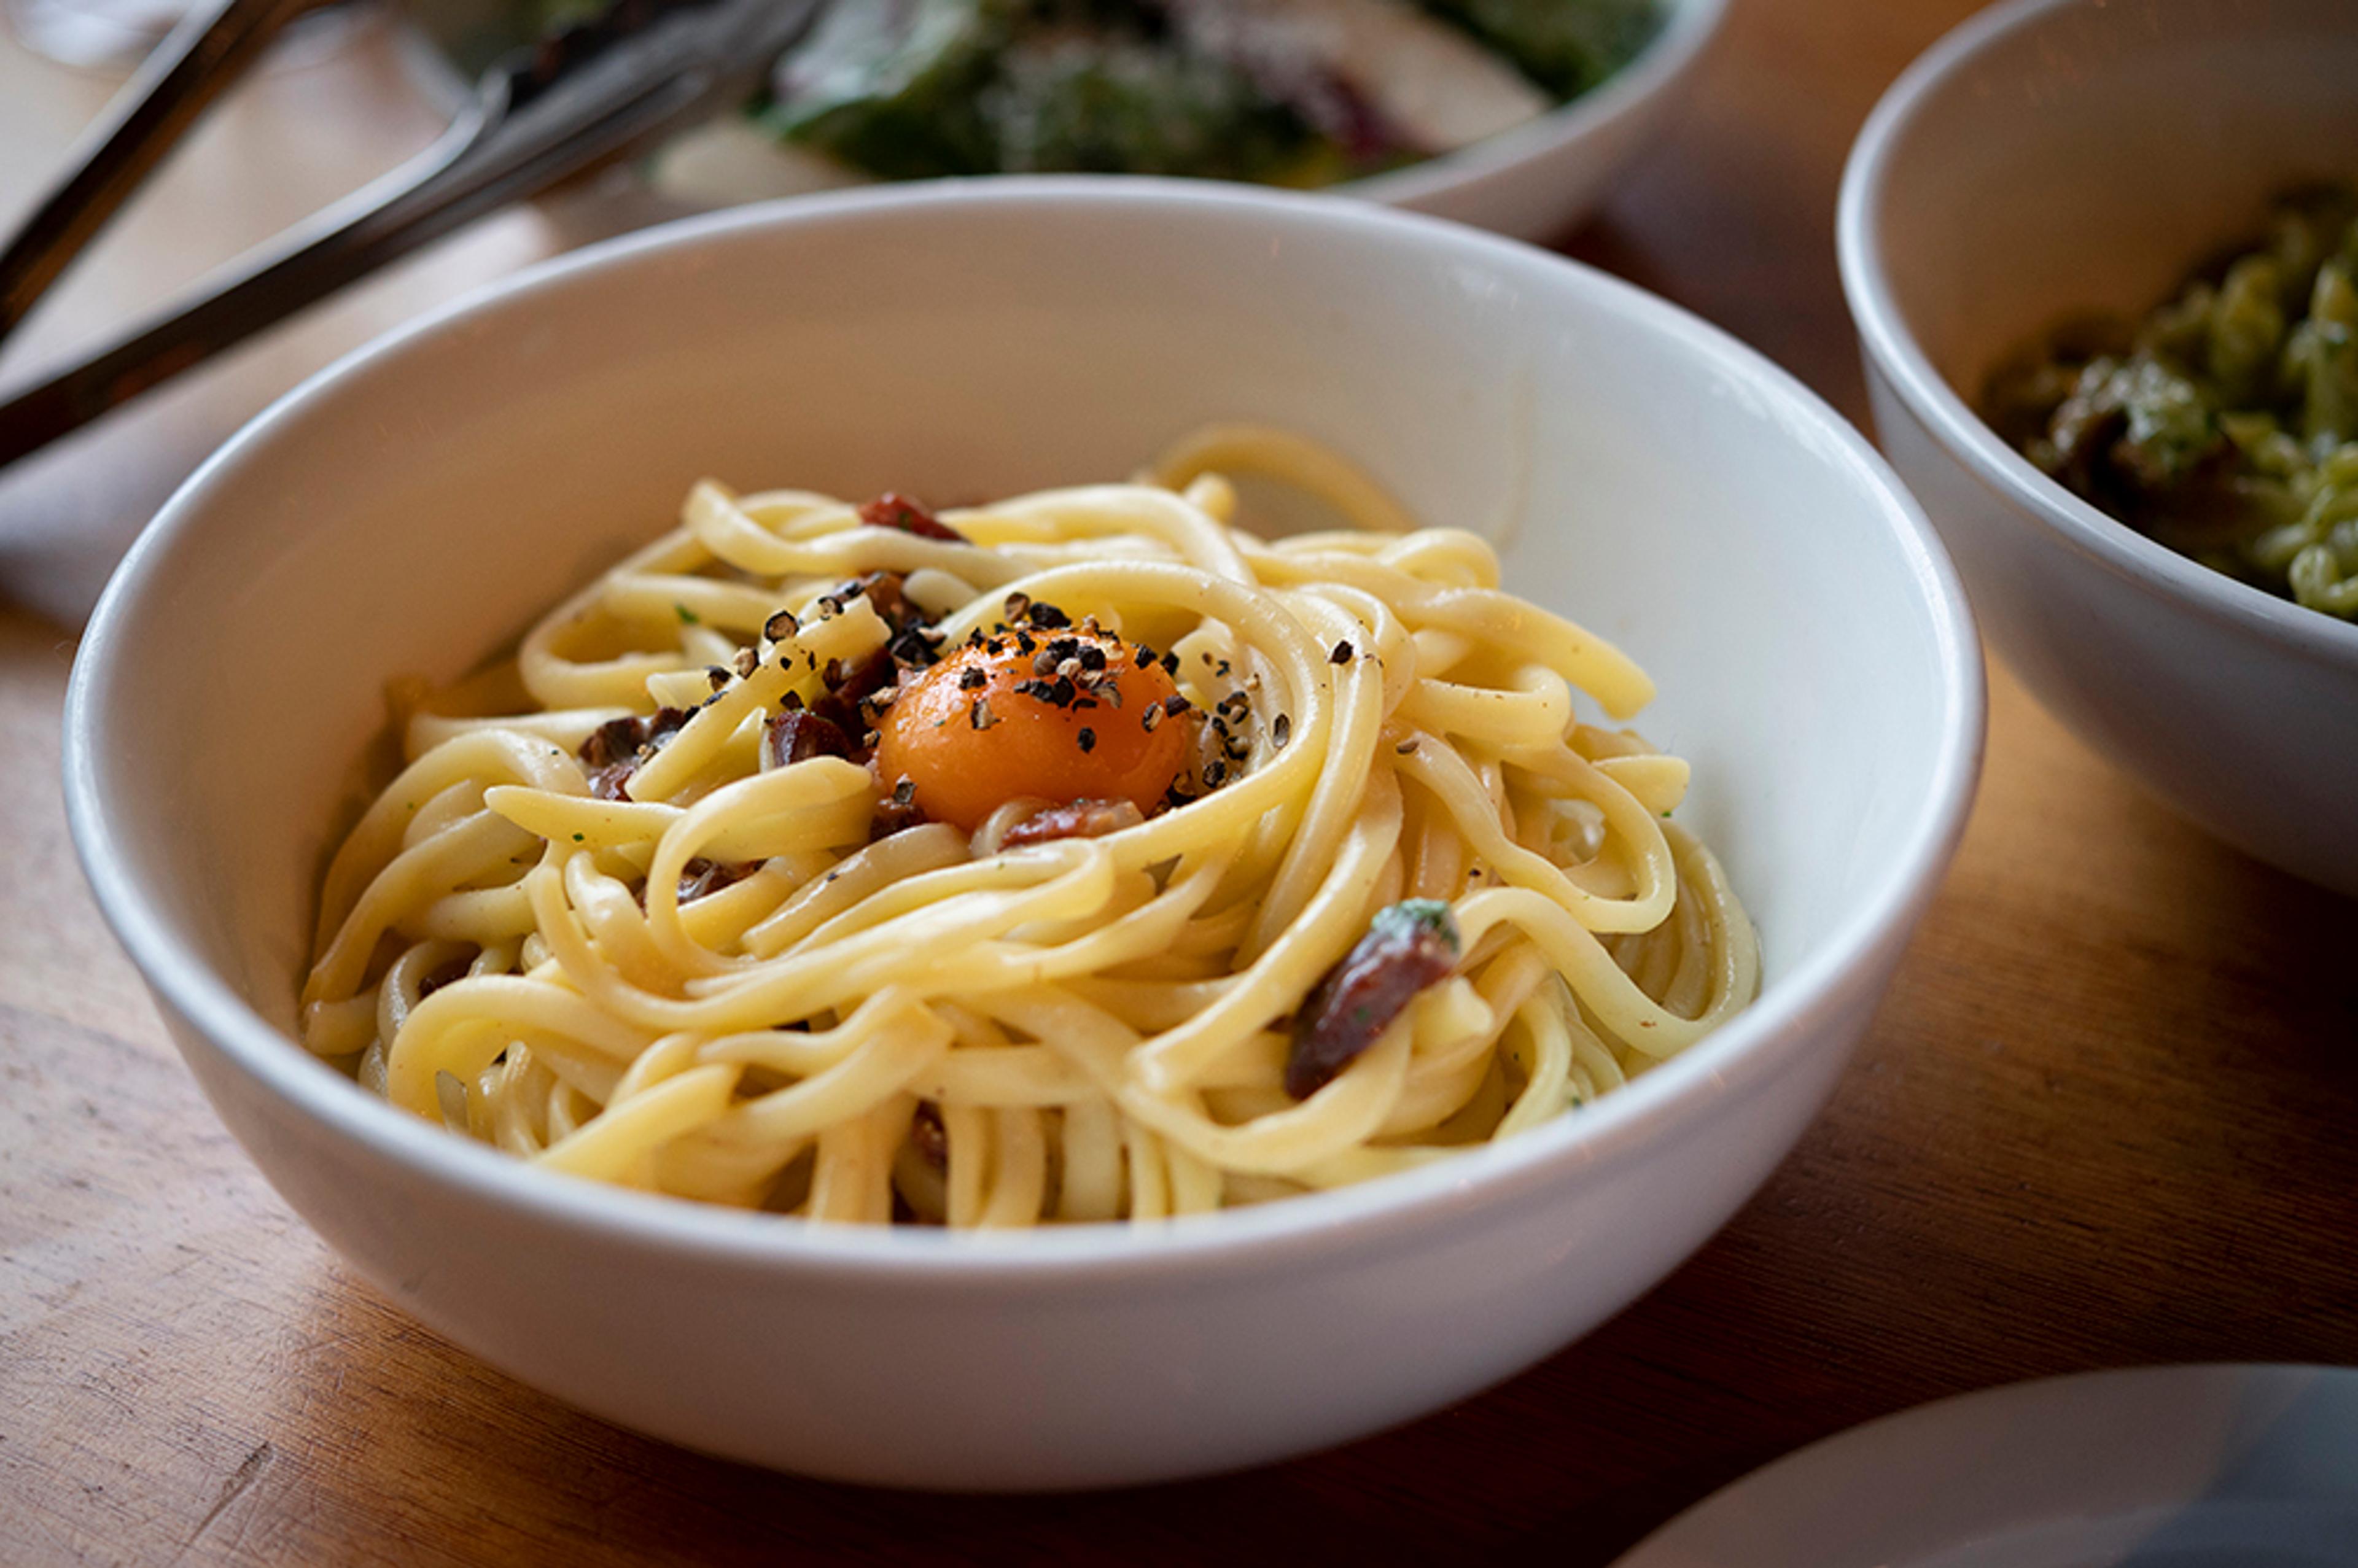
x,y
687,617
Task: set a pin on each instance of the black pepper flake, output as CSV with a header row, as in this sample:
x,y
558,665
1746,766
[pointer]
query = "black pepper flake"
x,y
1405,747
1174,704
1061,692
979,714
746,662
1017,605
905,791
1152,717
1170,663
973,678
781,626
913,648
1146,656
1341,656
1092,657
1088,738
716,677
1281,731
1215,772
1048,616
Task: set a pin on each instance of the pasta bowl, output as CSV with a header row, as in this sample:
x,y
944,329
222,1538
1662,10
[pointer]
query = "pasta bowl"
x,y
2056,156
414,507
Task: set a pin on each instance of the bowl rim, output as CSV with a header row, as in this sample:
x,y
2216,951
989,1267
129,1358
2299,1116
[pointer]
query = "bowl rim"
x,y
1894,350
1687,29
1678,1093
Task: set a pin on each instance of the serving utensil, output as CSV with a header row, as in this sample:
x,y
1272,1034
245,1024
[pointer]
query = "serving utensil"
x,y
593,92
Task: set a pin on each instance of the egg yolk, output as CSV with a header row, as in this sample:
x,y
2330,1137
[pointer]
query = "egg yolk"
x,y
1064,716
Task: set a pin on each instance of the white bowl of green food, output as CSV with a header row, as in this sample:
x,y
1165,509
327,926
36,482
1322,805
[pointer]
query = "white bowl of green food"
x,y
2103,259
1512,115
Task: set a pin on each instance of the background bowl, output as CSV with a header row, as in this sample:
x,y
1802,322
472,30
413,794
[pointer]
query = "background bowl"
x,y
1533,182
414,506
2056,155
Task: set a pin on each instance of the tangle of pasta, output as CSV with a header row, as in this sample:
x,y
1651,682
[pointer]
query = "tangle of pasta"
x,y
693,896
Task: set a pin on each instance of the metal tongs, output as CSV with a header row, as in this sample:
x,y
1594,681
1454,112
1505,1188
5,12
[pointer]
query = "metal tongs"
x,y
594,91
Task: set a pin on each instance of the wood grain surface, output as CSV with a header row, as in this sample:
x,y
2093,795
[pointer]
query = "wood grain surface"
x,y
2103,1119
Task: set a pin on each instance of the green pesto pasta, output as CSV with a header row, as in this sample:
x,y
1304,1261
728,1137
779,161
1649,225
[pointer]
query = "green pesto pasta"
x,y
2225,423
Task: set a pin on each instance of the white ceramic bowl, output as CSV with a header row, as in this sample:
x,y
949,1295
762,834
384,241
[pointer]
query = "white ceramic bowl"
x,y
1533,182
418,503
2056,155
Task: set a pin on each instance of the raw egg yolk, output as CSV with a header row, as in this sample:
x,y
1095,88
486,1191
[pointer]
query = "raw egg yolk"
x,y
1076,716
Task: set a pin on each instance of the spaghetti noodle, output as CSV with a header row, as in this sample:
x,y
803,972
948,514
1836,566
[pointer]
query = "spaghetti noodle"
x,y
1078,857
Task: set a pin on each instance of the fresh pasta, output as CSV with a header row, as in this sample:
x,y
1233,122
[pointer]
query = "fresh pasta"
x,y
1079,857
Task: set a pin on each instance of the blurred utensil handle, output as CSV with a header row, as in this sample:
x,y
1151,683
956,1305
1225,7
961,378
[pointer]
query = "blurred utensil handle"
x,y
583,97
209,48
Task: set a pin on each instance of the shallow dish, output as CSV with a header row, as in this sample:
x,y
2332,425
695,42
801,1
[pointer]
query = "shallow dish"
x,y
2188,1466
411,508
2053,156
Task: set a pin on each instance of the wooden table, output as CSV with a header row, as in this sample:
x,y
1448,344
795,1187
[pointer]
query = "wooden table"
x,y
2103,1119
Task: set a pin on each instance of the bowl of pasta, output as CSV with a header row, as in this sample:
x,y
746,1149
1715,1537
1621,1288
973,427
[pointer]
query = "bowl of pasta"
x,y
1027,835
2103,262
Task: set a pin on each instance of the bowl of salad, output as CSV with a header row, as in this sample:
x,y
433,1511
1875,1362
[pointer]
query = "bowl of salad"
x,y
1512,115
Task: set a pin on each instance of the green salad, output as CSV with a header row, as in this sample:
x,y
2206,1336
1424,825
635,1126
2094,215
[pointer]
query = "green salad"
x,y
2225,423
1289,92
